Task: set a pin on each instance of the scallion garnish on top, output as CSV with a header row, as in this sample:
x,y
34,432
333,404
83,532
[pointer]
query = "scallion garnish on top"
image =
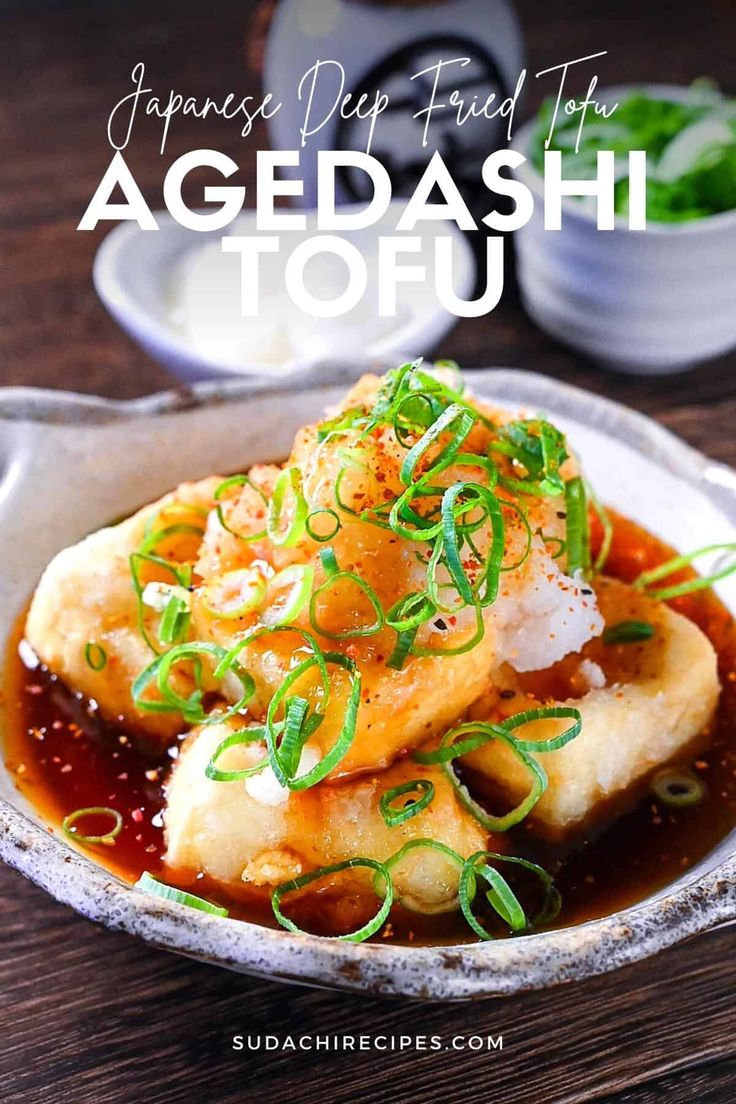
x,y
628,632
95,656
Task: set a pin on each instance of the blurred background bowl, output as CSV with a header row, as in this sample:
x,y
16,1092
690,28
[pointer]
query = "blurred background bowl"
x,y
178,296
641,302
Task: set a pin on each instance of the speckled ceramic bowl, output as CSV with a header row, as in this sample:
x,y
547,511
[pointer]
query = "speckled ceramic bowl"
x,y
68,463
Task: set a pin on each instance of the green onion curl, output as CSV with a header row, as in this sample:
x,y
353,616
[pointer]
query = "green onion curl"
x,y
690,586
394,816
150,884
368,929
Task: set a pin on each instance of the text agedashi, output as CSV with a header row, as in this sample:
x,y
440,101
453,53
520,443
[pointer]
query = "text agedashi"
x,y
395,250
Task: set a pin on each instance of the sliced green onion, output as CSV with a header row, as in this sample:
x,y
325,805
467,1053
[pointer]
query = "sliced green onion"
x,y
413,845
690,585
547,713
500,896
401,511
457,649
364,932
345,737
227,485
335,576
540,448
152,541
288,482
405,617
485,591
150,884
393,816
413,413
489,821
175,620
297,580
191,707
180,573
453,368
461,417
607,526
312,532
578,535
401,650
234,593
343,423
483,734
236,739
294,733
187,509
95,655
521,514
69,824
410,612
678,789
478,733
628,632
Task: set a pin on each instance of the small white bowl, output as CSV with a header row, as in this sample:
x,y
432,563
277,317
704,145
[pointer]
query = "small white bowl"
x,y
643,302
135,270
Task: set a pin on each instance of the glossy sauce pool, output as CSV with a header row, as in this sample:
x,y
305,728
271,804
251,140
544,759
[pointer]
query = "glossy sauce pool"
x,y
64,757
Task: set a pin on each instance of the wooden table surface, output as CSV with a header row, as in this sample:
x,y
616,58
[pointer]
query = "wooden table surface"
x,y
93,1017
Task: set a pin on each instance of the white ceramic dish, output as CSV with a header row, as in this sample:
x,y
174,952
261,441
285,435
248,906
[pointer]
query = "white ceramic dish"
x,y
644,302
68,463
134,269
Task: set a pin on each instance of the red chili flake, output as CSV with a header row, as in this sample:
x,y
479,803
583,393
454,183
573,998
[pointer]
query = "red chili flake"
x,y
137,816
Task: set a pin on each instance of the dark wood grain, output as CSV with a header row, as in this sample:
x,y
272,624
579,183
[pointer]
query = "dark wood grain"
x,y
89,1016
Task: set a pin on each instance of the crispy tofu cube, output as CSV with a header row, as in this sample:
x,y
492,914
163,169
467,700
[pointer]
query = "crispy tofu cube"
x,y
643,704
86,594
248,836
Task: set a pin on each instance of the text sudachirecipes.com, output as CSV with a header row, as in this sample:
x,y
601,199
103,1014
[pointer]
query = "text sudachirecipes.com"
x,y
383,1043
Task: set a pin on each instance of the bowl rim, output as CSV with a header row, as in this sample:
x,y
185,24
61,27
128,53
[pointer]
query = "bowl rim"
x,y
528,173
454,972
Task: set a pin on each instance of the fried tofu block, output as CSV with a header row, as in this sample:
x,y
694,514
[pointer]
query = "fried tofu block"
x,y
249,835
86,594
642,705
539,616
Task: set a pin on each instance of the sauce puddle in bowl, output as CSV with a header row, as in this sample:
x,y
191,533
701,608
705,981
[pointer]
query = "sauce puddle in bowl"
x,y
64,757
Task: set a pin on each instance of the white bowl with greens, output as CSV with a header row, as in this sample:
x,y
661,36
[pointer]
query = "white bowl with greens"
x,y
653,301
